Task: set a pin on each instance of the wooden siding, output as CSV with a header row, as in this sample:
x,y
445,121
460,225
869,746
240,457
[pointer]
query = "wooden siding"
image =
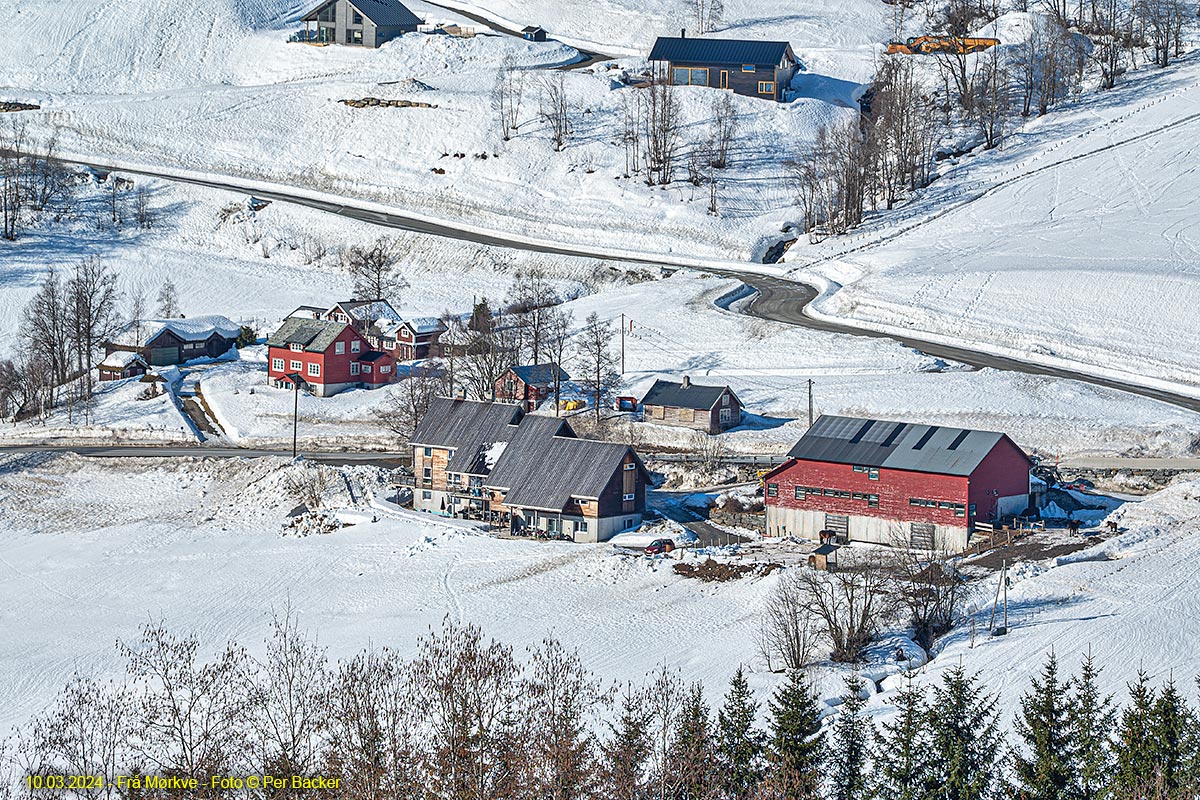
x,y
740,82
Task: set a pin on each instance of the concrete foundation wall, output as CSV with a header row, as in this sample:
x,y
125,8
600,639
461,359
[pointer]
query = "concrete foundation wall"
x,y
808,524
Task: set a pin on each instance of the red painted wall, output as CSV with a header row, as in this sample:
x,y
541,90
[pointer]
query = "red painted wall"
x,y
335,368
1005,470
894,488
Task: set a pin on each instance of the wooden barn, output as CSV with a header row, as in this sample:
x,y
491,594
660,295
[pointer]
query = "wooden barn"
x,y
530,384
868,480
746,67
163,342
711,409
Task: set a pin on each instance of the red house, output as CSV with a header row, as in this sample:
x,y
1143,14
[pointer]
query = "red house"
x,y
529,385
330,356
895,483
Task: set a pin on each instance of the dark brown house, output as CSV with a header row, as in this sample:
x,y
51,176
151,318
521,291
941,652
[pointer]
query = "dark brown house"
x,y
362,23
711,409
530,385
750,68
528,474
162,342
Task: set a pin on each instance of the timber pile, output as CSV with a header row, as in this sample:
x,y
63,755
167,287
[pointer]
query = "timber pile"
x,y
7,106
375,102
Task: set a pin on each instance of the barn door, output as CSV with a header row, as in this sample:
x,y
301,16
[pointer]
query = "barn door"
x,y
724,79
839,525
922,535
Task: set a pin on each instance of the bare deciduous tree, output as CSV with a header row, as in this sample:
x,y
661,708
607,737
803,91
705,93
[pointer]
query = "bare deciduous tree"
x,y
596,360
788,631
554,107
376,270
409,401
168,301
660,125
850,603
507,95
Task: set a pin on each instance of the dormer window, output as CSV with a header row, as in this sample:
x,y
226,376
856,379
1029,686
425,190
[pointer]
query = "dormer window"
x,y
295,348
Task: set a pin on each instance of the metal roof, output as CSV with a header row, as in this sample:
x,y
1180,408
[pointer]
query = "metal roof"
x,y
896,445
315,335
718,51
676,395
467,427
384,13
540,374
546,472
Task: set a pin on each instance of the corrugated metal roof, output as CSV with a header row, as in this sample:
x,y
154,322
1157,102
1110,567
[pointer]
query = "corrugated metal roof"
x,y
468,427
384,13
717,51
540,374
315,335
676,395
895,445
546,472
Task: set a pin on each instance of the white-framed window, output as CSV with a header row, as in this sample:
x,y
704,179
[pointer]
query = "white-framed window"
x,y
314,369
628,497
725,399
726,415
630,466
339,348
296,348
772,490
385,369
356,346
389,344
295,365
428,473
277,364
353,367
581,527
366,368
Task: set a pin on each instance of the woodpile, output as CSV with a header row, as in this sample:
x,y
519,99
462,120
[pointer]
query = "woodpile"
x,y
7,106
375,102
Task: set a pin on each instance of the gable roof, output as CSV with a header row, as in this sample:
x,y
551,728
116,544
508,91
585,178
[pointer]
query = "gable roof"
x,y
314,335
718,51
896,445
424,325
384,13
189,329
676,395
533,29
539,374
121,359
468,427
546,472
367,310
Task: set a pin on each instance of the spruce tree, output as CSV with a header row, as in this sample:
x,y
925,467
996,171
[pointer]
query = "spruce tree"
x,y
797,746
1091,719
624,769
693,750
739,743
966,737
850,746
1046,768
903,770
1135,756
1173,743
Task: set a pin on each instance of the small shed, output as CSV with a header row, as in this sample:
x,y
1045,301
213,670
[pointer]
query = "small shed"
x,y
121,364
824,557
534,33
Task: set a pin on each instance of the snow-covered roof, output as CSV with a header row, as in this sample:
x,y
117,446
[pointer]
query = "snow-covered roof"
x,y
368,310
422,325
120,359
189,329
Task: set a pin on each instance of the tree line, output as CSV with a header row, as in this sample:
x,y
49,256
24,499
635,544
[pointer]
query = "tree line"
x,y
467,718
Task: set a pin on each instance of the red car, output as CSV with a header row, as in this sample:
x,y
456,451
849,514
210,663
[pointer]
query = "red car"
x,y
659,546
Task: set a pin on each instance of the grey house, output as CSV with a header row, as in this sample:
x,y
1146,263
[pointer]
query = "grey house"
x,y
362,23
750,68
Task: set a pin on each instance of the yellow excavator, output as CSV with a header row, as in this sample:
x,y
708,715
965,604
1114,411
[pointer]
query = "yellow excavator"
x,y
924,45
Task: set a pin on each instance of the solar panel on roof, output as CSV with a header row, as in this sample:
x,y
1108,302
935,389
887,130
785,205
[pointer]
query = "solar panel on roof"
x,y
962,437
925,439
858,437
891,439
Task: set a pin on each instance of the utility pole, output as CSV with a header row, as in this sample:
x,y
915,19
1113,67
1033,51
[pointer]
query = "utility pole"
x,y
622,343
296,379
810,402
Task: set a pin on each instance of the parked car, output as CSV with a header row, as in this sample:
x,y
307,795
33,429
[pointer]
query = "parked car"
x,y
659,547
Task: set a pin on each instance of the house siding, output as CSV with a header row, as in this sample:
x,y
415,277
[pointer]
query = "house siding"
x,y
336,373
372,35
739,82
697,419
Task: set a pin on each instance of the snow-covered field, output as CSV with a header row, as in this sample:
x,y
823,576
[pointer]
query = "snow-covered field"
x,y
86,559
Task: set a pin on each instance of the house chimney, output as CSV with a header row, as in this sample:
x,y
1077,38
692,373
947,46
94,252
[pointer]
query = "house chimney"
x,y
683,33
687,382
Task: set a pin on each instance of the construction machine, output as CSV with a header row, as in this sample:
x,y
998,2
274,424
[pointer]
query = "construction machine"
x,y
924,45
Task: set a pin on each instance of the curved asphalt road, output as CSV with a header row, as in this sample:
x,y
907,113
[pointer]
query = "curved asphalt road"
x,y
778,299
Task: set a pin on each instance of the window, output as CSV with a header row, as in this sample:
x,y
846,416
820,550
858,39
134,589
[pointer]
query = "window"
x,y
357,17
860,469
277,364
366,368
385,369
912,501
295,365
628,497
873,474
766,87
314,369
355,36
747,68
428,452
725,399
427,474
356,346
581,527
295,347
772,490
959,510
339,348
872,501
690,76
426,495
630,466
389,344
801,494
354,365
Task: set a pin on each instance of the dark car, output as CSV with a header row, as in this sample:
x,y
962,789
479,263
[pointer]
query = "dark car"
x,y
659,546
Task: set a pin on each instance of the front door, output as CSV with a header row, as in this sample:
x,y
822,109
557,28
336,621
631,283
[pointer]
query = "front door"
x,y
724,79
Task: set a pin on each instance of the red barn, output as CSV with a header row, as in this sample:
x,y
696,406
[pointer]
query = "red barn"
x,y
895,482
331,356
529,385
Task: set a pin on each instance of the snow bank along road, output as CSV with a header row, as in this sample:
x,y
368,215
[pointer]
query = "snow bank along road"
x,y
338,458
779,299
